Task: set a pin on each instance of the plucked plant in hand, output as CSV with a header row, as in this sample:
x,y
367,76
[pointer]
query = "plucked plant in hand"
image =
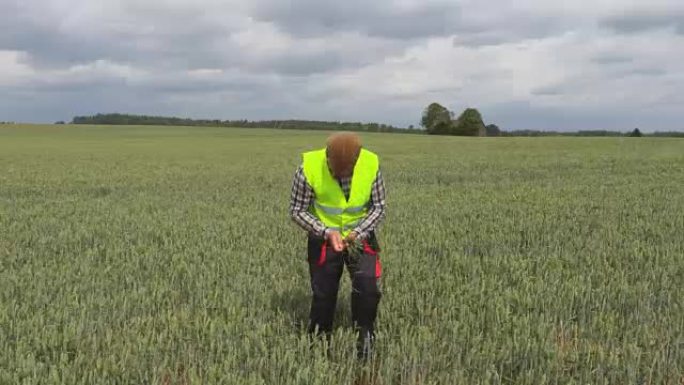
x,y
354,250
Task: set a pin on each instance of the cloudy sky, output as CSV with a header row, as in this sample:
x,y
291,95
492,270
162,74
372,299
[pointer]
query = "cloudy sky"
x,y
537,64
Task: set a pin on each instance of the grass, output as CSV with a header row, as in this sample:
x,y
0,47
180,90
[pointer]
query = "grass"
x,y
164,255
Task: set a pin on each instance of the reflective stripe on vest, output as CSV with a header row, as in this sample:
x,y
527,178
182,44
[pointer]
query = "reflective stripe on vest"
x,y
336,211
349,226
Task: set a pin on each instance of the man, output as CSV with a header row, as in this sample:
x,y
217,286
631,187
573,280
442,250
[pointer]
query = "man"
x,y
338,197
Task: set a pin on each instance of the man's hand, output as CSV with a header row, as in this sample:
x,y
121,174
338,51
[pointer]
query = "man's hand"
x,y
335,240
351,237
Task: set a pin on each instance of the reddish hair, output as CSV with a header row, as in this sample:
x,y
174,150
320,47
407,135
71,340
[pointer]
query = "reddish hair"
x,y
342,151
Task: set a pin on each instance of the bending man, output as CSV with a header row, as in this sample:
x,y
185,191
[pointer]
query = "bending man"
x,y
338,197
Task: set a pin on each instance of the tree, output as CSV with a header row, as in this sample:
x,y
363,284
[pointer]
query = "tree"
x,y
636,133
436,119
470,124
493,130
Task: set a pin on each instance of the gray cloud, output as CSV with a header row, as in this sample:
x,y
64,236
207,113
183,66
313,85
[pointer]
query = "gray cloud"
x,y
53,39
318,62
182,85
375,18
645,21
166,38
516,28
553,90
611,58
381,60
649,71
471,26
523,115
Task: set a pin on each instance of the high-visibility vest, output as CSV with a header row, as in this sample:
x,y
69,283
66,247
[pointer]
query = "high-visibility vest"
x,y
330,205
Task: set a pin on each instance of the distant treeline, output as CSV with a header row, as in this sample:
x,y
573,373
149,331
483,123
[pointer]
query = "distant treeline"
x,y
439,120
491,130
126,119
600,133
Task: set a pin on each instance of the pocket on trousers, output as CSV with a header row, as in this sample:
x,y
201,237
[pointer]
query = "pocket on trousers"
x,y
314,247
319,251
372,266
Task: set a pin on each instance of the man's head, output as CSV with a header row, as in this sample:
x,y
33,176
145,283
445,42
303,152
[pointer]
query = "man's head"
x,y
342,151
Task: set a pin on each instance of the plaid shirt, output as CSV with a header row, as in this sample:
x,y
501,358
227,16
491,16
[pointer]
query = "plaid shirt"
x,y
302,198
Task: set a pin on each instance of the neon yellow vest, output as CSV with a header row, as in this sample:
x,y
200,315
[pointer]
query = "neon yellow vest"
x,y
330,206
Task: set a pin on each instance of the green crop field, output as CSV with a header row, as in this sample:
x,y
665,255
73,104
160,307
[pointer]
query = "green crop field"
x,y
165,255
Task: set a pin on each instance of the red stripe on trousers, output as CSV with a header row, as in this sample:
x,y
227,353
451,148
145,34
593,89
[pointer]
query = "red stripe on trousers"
x,y
321,258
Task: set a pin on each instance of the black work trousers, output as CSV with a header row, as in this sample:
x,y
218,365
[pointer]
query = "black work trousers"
x,y
325,268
